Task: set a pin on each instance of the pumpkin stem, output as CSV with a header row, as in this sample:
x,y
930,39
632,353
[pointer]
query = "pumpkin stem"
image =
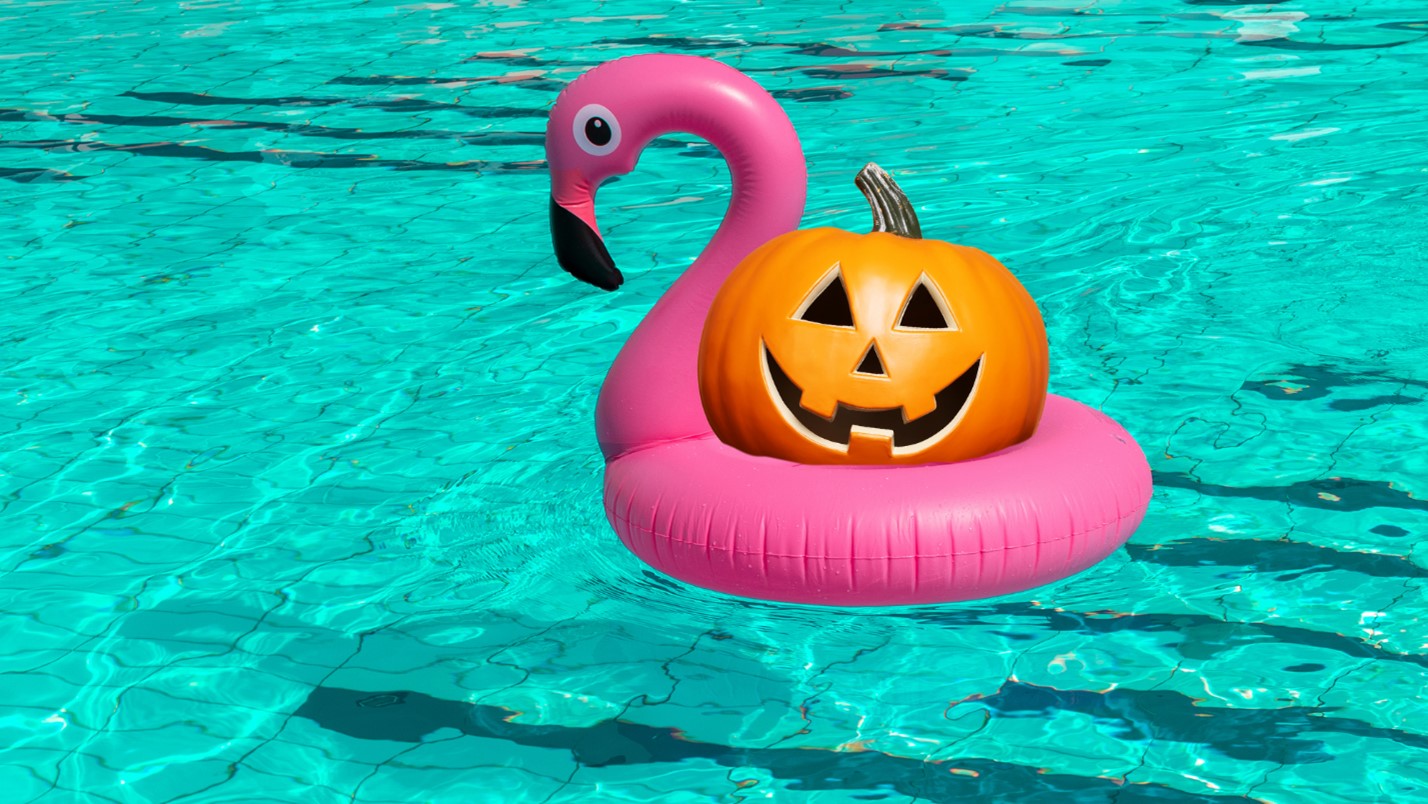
x,y
892,212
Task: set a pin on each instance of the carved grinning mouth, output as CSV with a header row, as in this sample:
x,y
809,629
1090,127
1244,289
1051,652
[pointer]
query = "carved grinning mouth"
x,y
838,430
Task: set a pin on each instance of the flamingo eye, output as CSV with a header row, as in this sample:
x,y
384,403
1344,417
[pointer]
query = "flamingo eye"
x,y
596,130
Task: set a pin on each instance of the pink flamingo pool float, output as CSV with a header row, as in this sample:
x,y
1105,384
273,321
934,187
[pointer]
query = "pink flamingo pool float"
x,y
706,513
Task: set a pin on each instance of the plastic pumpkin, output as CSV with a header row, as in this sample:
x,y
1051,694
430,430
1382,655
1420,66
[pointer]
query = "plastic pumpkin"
x,y
828,346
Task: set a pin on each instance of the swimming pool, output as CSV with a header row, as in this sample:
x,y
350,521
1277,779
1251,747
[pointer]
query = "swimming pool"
x,y
299,489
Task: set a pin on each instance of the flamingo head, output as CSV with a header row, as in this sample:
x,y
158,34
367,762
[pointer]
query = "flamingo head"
x,y
598,127
604,119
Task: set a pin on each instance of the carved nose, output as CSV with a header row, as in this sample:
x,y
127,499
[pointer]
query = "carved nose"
x,y
871,363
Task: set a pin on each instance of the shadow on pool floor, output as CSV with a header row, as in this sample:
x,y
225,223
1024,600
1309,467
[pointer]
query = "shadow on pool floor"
x,y
406,716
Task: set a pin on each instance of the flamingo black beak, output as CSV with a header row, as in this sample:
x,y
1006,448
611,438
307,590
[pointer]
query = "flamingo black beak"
x,y
580,249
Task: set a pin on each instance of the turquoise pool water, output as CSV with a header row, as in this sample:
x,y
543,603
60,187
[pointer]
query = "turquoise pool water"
x,y
299,490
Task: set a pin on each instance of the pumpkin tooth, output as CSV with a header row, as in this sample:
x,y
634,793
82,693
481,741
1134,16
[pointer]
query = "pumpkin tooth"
x,y
824,403
918,406
867,445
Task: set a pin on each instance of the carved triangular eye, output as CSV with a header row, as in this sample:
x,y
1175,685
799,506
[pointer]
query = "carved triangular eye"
x,y
829,305
924,310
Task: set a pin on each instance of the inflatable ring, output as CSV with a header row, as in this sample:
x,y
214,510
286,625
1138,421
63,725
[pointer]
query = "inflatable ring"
x,y
706,513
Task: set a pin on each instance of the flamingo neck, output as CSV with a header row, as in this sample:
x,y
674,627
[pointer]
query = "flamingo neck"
x,y
768,181
652,392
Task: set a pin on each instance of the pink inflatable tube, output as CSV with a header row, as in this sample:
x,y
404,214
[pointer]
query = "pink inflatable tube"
x,y
703,512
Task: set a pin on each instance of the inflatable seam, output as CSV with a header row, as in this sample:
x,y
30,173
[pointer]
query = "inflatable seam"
x,y
983,552
649,445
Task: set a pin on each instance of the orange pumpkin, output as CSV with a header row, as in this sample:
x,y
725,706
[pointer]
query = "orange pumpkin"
x,y
826,346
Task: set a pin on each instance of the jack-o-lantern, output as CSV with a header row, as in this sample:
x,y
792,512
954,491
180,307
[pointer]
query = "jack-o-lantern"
x,y
826,346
